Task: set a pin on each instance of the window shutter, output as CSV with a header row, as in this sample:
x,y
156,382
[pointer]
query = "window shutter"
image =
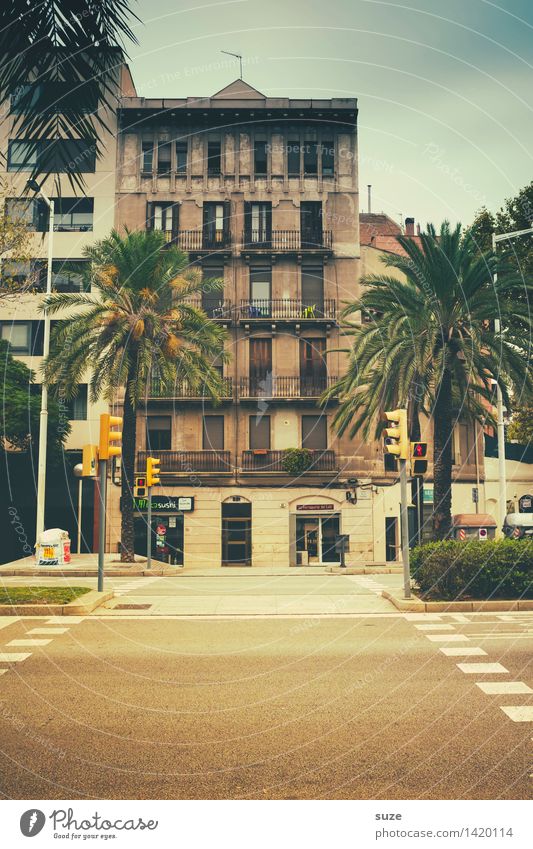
x,y
269,221
149,216
227,217
175,217
247,216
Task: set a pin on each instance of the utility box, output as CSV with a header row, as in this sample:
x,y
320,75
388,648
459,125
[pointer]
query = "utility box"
x,y
53,548
470,526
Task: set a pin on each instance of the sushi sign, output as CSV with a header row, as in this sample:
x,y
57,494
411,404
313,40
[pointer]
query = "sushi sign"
x,y
165,504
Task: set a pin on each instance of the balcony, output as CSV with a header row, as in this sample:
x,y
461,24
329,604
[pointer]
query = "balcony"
x,y
287,241
219,309
288,309
188,463
200,241
275,388
267,461
183,391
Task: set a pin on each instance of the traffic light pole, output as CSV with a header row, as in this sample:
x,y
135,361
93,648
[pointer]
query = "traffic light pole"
x,y
405,529
102,523
149,531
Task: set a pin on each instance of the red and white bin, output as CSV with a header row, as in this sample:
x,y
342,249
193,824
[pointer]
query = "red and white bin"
x,y
53,548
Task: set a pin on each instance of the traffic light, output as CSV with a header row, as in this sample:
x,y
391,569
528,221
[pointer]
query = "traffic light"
x,y
396,437
139,487
152,470
108,438
419,452
89,461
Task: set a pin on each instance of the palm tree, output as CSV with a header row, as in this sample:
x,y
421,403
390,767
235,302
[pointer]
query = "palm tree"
x,y
140,321
428,341
59,76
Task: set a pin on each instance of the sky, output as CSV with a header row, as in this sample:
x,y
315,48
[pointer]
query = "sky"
x,y
444,88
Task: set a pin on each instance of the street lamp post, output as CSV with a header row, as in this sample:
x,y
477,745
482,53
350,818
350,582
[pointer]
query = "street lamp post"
x,y
502,475
43,420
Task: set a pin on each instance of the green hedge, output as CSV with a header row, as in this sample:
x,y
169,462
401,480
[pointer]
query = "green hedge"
x,y
484,570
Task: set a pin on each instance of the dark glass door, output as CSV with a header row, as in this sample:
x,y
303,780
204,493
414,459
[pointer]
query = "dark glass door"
x,y
236,534
167,538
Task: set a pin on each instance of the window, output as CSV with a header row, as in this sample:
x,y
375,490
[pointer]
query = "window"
x,y
214,159
61,155
22,156
260,366
259,432
162,216
213,433
76,408
310,158
293,158
212,297
158,433
258,223
313,287
22,273
311,223
215,224
25,337
328,158
24,211
164,157
313,370
181,157
54,97
147,157
390,463
68,275
71,214
260,158
260,292
314,432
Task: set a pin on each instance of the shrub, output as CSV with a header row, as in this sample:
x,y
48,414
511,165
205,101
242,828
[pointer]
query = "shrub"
x,y
455,570
296,461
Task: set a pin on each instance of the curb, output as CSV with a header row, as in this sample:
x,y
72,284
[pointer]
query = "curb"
x,y
86,573
76,607
416,605
363,570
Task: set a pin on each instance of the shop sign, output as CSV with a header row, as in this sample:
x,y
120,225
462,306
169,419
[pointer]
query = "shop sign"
x,y
165,504
525,504
315,507
427,496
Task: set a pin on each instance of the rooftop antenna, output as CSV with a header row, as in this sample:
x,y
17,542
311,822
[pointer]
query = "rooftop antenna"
x,y
237,56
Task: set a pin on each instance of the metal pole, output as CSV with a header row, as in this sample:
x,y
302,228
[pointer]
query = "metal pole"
x,y
502,482
101,527
80,496
149,531
43,420
405,530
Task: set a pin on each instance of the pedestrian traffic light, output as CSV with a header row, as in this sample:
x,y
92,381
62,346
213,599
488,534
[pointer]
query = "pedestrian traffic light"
x,y
152,470
396,437
139,487
89,461
108,437
419,464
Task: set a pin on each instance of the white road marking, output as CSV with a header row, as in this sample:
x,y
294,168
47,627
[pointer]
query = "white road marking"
x,y
460,617
497,688
523,713
463,650
5,621
2,671
29,643
13,657
435,627
62,620
474,668
48,631
447,638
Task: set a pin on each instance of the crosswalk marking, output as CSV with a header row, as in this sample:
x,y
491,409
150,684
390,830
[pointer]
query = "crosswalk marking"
x,y
29,643
435,627
60,620
47,631
13,657
523,713
462,650
498,688
446,638
474,668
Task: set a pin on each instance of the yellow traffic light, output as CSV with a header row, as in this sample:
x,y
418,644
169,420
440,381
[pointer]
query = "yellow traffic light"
x,y
396,437
152,470
107,436
419,464
89,461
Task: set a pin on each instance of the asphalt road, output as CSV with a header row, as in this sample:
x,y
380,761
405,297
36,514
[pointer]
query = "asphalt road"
x,y
301,707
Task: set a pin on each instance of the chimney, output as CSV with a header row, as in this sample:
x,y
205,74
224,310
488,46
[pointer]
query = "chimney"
x,y
409,226
418,229
369,187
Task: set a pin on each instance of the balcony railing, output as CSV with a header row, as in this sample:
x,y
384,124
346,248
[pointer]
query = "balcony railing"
x,y
182,390
199,240
219,309
288,309
187,462
283,241
273,386
265,460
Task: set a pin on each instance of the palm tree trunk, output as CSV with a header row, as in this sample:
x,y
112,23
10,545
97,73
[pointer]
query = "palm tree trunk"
x,y
127,532
442,459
